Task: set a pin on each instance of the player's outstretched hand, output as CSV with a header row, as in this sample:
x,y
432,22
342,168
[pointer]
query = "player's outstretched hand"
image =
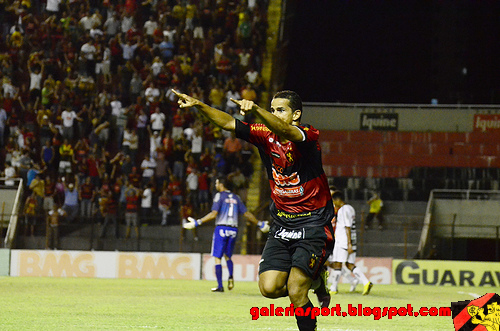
x,y
185,101
263,226
246,106
191,223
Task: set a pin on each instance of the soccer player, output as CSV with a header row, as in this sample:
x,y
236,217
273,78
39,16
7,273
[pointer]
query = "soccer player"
x,y
345,245
226,208
301,237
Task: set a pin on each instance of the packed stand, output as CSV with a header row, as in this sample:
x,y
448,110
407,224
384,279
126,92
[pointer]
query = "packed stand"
x,y
88,119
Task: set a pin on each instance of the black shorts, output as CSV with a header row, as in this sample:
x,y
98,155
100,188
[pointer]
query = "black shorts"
x,y
306,248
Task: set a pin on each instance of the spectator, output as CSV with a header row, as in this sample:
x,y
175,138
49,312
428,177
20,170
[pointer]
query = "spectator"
x,y
9,173
53,221
146,204
50,191
148,166
30,216
376,205
68,129
192,188
71,204
111,213
86,195
66,154
164,205
132,206
37,186
157,120
232,149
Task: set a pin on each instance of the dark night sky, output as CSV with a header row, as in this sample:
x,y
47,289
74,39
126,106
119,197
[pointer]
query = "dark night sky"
x,y
406,51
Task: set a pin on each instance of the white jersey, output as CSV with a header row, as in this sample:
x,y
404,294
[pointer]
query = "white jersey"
x,y
346,217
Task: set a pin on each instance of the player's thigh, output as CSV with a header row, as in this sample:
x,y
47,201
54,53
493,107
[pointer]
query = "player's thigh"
x,y
218,244
339,254
274,266
230,241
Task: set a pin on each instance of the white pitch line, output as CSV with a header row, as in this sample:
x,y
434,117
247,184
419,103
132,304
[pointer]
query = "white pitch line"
x,y
474,295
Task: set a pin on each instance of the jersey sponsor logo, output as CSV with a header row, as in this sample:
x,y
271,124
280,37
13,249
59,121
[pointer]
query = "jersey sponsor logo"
x,y
289,192
285,180
287,215
286,234
259,128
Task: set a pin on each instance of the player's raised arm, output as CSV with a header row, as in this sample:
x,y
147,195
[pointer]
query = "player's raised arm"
x,y
218,117
281,121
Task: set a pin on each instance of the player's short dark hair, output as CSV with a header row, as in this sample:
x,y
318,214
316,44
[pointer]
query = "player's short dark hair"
x,y
224,181
338,195
293,98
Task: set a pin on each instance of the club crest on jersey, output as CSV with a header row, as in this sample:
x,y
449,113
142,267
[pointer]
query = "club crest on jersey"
x,y
289,156
287,235
312,261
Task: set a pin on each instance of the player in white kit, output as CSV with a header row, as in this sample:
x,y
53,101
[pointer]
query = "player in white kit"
x,y
344,250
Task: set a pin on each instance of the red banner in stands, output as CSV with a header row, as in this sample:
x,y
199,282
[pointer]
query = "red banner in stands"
x,y
487,123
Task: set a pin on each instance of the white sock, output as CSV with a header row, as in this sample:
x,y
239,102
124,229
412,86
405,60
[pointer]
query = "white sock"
x,y
361,276
335,279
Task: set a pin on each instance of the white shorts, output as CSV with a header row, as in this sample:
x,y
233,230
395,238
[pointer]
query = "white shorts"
x,y
340,255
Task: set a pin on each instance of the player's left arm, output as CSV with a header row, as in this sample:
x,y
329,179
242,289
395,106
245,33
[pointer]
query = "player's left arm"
x,y
251,217
262,225
273,123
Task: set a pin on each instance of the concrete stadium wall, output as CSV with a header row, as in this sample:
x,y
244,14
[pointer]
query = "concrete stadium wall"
x,y
474,218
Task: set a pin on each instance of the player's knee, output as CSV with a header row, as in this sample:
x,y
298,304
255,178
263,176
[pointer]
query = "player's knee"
x,y
268,289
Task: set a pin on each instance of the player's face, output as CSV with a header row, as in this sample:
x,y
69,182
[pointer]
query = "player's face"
x,y
281,109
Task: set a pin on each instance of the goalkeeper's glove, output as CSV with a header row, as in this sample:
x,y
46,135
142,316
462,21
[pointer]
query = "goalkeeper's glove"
x,y
263,226
191,223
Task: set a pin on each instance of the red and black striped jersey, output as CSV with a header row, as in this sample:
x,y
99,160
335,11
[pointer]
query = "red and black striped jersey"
x,y
299,187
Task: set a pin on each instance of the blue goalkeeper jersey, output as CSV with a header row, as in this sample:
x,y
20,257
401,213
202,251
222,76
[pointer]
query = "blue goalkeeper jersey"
x,y
228,206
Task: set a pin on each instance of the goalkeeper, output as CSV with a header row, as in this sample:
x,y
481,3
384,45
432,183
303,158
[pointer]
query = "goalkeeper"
x,y
226,208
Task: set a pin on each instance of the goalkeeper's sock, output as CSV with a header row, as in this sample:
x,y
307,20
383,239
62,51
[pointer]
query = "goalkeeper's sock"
x,y
229,264
218,274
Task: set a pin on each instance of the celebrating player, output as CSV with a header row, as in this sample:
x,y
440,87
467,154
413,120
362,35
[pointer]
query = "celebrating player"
x,y
225,210
345,245
301,237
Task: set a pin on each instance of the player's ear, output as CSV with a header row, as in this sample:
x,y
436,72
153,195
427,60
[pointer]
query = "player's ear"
x,y
296,114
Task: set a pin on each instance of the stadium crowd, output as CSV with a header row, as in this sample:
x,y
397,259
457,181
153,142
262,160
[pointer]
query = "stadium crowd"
x,y
87,116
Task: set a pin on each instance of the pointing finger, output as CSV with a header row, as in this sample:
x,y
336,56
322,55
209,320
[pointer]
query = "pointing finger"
x,y
235,101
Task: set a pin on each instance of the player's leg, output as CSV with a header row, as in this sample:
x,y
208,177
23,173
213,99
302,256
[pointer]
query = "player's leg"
x,y
367,285
218,246
274,268
339,256
218,275
231,241
299,283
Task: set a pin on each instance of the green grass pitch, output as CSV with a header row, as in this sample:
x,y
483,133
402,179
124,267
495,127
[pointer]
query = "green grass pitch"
x,y
134,304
